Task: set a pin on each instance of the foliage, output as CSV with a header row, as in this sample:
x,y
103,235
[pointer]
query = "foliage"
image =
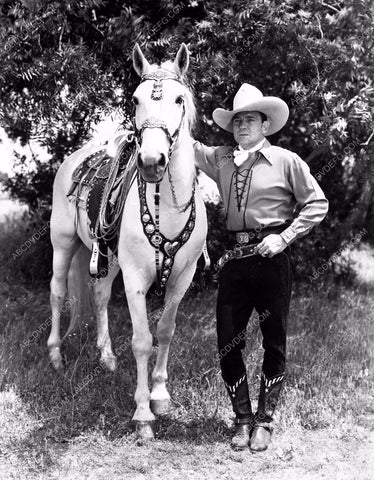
x,y
65,64
27,257
217,238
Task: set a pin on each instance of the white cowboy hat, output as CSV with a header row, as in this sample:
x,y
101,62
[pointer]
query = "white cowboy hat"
x,y
250,99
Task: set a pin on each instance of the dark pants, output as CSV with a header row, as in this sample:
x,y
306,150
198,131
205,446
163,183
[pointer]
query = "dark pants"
x,y
245,284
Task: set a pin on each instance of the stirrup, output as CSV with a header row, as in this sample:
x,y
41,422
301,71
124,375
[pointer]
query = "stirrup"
x,y
94,261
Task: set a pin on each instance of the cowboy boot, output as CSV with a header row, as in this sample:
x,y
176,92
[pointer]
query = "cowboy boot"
x,y
242,436
269,393
244,420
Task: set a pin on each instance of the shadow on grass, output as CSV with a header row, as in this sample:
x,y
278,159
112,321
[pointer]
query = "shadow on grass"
x,y
104,407
199,431
85,398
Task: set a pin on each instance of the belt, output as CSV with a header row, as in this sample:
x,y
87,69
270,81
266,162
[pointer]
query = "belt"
x,y
250,236
237,253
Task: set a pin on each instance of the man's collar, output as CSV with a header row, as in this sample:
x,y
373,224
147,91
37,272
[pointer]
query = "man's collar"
x,y
258,146
265,150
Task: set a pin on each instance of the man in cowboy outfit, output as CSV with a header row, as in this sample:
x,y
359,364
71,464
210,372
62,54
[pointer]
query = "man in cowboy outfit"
x,y
260,185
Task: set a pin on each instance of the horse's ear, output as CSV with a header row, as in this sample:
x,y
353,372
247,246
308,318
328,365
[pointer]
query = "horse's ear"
x,y
182,60
139,61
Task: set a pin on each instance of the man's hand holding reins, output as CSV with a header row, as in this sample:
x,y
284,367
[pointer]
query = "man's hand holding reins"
x,y
271,245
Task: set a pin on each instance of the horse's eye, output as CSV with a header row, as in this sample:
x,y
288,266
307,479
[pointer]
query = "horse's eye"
x,y
179,100
135,100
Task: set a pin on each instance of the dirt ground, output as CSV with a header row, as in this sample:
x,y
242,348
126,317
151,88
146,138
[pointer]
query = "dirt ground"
x,y
30,451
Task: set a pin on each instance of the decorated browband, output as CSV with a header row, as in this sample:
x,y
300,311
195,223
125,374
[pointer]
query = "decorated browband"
x,y
158,76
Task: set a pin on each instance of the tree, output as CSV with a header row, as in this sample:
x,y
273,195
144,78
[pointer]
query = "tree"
x,y
66,63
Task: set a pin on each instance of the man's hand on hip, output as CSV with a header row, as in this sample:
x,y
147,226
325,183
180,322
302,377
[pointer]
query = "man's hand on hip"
x,y
271,245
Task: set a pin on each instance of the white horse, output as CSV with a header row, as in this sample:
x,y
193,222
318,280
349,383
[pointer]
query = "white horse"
x,y
163,245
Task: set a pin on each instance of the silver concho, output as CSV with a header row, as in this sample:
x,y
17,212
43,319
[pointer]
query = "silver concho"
x,y
156,239
149,228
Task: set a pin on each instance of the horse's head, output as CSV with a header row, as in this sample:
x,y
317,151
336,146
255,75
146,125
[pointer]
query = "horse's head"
x,y
159,111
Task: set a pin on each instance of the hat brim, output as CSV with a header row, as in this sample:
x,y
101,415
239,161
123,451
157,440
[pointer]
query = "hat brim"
x,y
274,108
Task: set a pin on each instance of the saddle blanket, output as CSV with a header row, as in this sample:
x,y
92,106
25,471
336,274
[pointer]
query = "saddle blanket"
x,y
100,185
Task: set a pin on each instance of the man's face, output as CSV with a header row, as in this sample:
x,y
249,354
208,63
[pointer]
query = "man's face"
x,y
248,129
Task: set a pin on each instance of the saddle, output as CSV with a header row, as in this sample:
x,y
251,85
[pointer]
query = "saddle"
x,y
99,186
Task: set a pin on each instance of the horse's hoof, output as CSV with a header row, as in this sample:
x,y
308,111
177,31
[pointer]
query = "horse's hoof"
x,y
109,363
161,407
58,365
56,359
144,431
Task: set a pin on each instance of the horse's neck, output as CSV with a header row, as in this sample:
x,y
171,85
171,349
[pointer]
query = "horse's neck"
x,y
182,172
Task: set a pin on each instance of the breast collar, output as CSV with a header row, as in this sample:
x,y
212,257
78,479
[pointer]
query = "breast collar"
x,y
169,248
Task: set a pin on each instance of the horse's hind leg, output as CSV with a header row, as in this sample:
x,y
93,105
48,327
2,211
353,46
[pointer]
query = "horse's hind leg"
x,y
102,290
63,250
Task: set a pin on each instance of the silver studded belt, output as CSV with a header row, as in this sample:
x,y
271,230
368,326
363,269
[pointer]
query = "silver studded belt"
x,y
239,251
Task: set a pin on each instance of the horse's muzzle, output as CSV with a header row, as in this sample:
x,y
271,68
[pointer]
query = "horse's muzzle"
x,y
152,169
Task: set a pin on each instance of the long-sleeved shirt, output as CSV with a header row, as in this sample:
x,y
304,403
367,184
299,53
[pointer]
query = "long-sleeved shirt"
x,y
265,189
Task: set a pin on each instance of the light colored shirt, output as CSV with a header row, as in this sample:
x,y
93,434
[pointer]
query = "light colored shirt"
x,y
272,180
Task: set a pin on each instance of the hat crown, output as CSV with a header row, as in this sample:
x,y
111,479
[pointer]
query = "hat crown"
x,y
250,99
246,94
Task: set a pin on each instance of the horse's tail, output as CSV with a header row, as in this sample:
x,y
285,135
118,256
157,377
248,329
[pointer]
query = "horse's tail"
x,y
80,292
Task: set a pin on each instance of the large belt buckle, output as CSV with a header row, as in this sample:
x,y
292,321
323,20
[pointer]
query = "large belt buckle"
x,y
242,237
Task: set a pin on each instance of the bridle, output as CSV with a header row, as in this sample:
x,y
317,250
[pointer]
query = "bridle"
x,y
158,76
152,228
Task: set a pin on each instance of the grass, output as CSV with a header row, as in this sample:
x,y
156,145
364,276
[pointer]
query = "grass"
x,y
51,427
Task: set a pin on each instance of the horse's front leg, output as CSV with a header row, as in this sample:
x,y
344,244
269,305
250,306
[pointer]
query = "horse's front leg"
x,y
142,348
160,397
